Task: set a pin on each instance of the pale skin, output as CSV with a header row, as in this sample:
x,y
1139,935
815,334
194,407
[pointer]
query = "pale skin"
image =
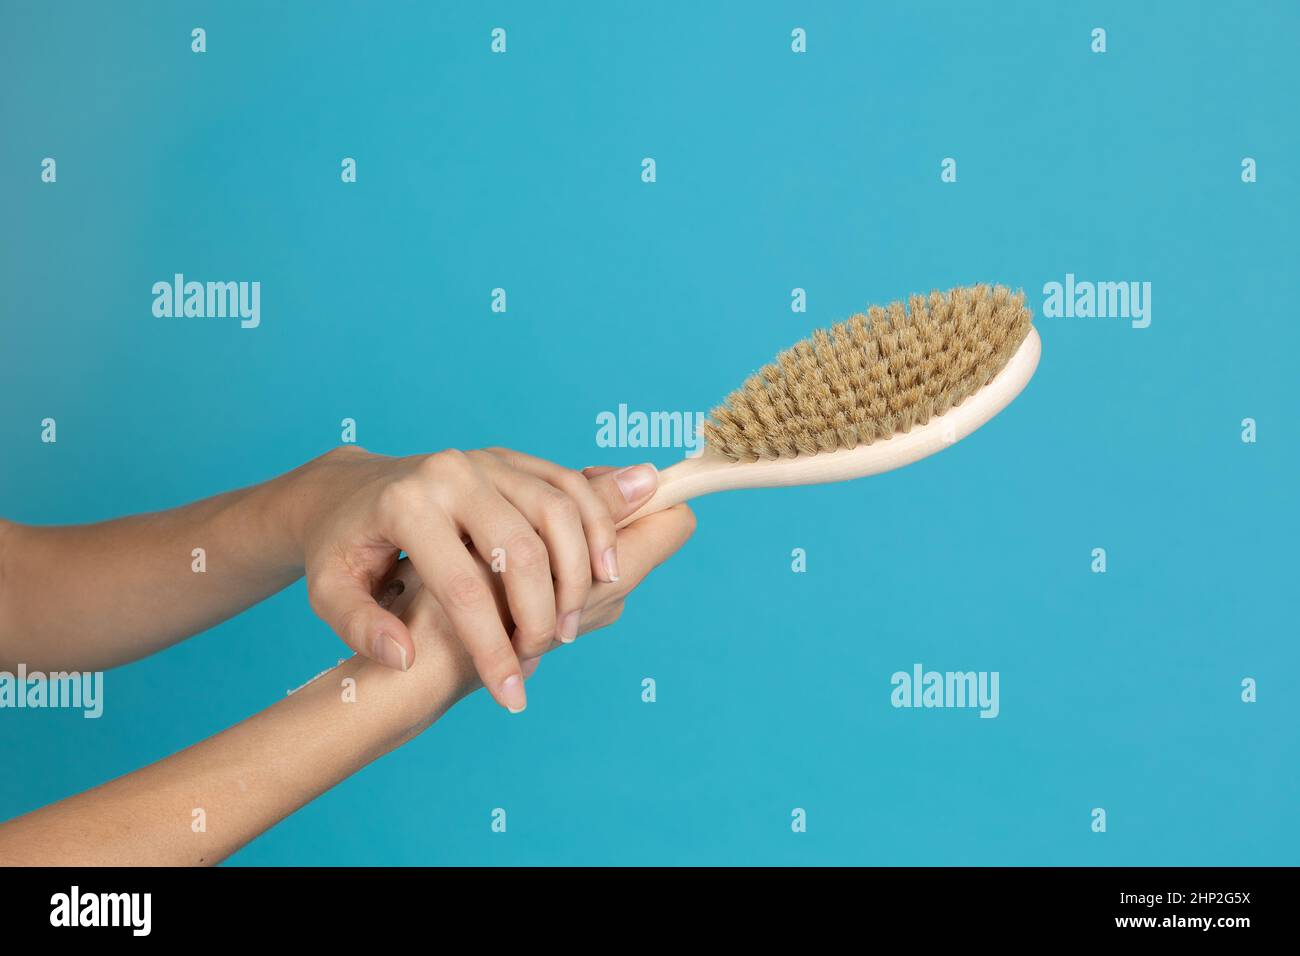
x,y
342,520
254,774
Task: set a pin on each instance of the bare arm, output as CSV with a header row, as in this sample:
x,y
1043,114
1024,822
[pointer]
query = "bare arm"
x,y
202,804
129,587
88,597
248,778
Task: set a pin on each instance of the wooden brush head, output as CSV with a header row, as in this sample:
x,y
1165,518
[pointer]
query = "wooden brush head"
x,y
873,376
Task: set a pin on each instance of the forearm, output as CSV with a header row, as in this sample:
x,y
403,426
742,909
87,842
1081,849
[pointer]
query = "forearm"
x,y
88,597
200,805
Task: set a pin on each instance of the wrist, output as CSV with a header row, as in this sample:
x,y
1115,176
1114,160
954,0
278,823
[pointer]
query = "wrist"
x,y
268,524
289,504
442,672
414,699
315,489
295,500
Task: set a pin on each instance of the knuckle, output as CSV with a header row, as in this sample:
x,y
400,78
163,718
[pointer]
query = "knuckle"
x,y
525,551
572,481
576,485
603,527
448,464
534,628
398,497
576,577
533,651
345,451
560,506
466,592
496,661
534,641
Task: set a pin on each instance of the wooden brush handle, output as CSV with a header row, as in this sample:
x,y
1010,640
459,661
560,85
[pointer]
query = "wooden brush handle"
x,y
712,472
691,478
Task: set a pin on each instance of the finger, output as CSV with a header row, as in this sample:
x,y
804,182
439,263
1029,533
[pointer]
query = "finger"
x,y
505,538
558,521
644,545
342,599
603,615
623,491
597,519
449,570
594,471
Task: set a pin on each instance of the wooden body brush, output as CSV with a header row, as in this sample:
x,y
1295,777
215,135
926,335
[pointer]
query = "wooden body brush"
x,y
871,394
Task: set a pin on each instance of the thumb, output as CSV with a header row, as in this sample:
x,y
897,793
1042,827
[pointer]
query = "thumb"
x,y
623,490
343,602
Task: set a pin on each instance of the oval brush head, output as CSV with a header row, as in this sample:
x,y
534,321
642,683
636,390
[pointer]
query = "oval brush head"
x,y
872,376
870,394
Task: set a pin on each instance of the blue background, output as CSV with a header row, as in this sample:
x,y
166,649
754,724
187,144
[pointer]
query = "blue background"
x,y
775,171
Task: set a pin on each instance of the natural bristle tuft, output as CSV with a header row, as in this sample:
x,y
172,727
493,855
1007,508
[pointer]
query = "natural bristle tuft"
x,y
872,376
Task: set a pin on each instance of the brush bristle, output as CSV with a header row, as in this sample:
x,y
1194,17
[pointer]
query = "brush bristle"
x,y
872,376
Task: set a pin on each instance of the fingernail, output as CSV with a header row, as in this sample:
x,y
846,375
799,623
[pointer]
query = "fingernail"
x,y
636,482
528,668
389,653
512,694
611,564
568,630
